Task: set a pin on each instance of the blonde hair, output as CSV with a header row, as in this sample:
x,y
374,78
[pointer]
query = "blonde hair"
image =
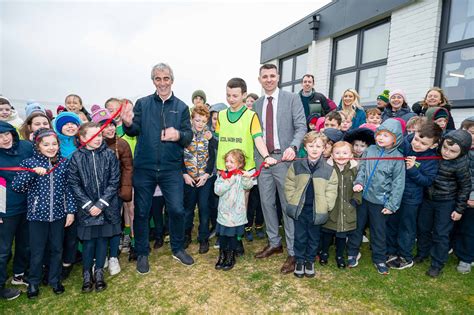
x,y
355,105
341,144
415,120
313,136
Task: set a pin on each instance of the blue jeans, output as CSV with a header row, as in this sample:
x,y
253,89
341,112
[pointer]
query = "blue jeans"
x,y
401,231
94,248
171,184
307,236
199,196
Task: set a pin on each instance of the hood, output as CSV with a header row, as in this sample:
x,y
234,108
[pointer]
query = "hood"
x,y
6,127
217,107
461,138
432,112
394,127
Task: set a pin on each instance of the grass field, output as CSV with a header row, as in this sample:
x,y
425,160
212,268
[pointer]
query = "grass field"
x,y
256,286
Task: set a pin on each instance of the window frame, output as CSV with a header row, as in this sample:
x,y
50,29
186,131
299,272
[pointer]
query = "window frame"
x,y
294,80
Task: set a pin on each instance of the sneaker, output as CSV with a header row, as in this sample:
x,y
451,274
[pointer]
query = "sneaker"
x,y
142,265
114,266
433,272
309,269
353,261
464,267
259,232
418,259
203,247
184,258
299,270
20,280
248,235
382,268
401,263
323,259
216,245
9,293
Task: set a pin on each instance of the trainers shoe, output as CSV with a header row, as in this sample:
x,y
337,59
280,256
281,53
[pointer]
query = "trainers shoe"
x,y
142,265
323,259
433,272
20,280
216,245
248,235
259,232
184,258
114,266
382,268
203,247
309,269
353,261
401,263
9,293
463,267
299,270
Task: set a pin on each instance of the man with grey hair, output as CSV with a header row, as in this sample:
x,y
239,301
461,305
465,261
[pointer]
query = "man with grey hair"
x,y
162,123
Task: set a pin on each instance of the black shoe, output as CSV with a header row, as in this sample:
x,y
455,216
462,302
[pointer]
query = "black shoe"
x,y
220,260
323,259
299,269
87,281
341,263
240,250
100,284
203,247
418,259
184,258
58,288
33,291
9,293
229,260
132,255
433,272
66,272
158,243
143,267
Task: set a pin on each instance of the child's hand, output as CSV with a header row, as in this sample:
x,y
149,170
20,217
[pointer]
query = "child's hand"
x,y
246,174
69,220
188,180
208,135
202,180
94,211
387,211
455,216
410,161
470,203
40,170
358,188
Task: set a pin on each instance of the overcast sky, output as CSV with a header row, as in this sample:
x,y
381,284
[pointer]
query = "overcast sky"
x,y
104,49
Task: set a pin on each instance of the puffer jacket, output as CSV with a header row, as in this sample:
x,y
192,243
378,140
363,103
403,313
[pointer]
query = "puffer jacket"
x,y
420,176
94,176
383,181
324,181
49,196
453,181
20,150
124,155
343,217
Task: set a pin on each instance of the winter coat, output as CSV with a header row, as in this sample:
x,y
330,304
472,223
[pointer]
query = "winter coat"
x,y
420,176
200,155
404,113
383,181
343,217
453,181
314,103
20,150
421,111
232,211
94,176
324,181
151,117
49,196
124,155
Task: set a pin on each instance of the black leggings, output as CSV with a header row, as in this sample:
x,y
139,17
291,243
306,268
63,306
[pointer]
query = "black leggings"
x,y
228,242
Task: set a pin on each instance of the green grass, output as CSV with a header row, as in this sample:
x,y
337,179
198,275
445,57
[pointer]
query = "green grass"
x,y
255,286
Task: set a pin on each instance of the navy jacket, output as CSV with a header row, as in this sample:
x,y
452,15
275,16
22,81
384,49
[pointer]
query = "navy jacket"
x,y
151,116
20,150
419,176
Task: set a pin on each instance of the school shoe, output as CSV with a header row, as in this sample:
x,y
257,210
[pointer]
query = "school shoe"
x,y
433,272
323,258
9,293
66,271
299,270
143,267
309,269
259,232
220,260
382,268
340,262
58,288
401,263
464,267
33,291
229,261
114,266
203,247
87,281
353,261
100,284
248,234
184,258
20,280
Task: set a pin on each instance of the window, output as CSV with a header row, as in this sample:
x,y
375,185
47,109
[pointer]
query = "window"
x,y
293,69
455,68
359,62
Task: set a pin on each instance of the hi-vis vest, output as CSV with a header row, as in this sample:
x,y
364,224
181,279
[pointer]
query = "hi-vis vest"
x,y
235,135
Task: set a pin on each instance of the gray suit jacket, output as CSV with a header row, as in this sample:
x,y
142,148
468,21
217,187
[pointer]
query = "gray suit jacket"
x,y
291,120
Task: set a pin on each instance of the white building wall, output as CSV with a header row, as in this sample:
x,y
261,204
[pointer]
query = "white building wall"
x,y
321,54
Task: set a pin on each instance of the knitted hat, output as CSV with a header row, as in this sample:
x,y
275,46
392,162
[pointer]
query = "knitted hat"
x,y
362,134
399,92
199,93
441,113
99,114
64,118
60,109
34,107
384,96
49,113
312,119
334,135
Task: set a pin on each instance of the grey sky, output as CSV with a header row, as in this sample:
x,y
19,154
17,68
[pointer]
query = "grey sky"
x,y
104,49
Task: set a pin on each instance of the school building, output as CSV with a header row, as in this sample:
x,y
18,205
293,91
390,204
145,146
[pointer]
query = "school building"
x,y
372,45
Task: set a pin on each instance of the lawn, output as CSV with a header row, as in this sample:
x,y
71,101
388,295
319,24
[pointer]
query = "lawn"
x,y
256,286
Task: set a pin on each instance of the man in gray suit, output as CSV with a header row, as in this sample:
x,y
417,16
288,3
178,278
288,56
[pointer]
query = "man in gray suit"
x,y
283,122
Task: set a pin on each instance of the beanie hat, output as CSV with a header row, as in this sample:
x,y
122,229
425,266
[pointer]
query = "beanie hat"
x,y
312,119
34,107
60,109
320,124
462,138
334,135
441,113
99,114
384,96
399,92
64,118
362,134
49,113
199,93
